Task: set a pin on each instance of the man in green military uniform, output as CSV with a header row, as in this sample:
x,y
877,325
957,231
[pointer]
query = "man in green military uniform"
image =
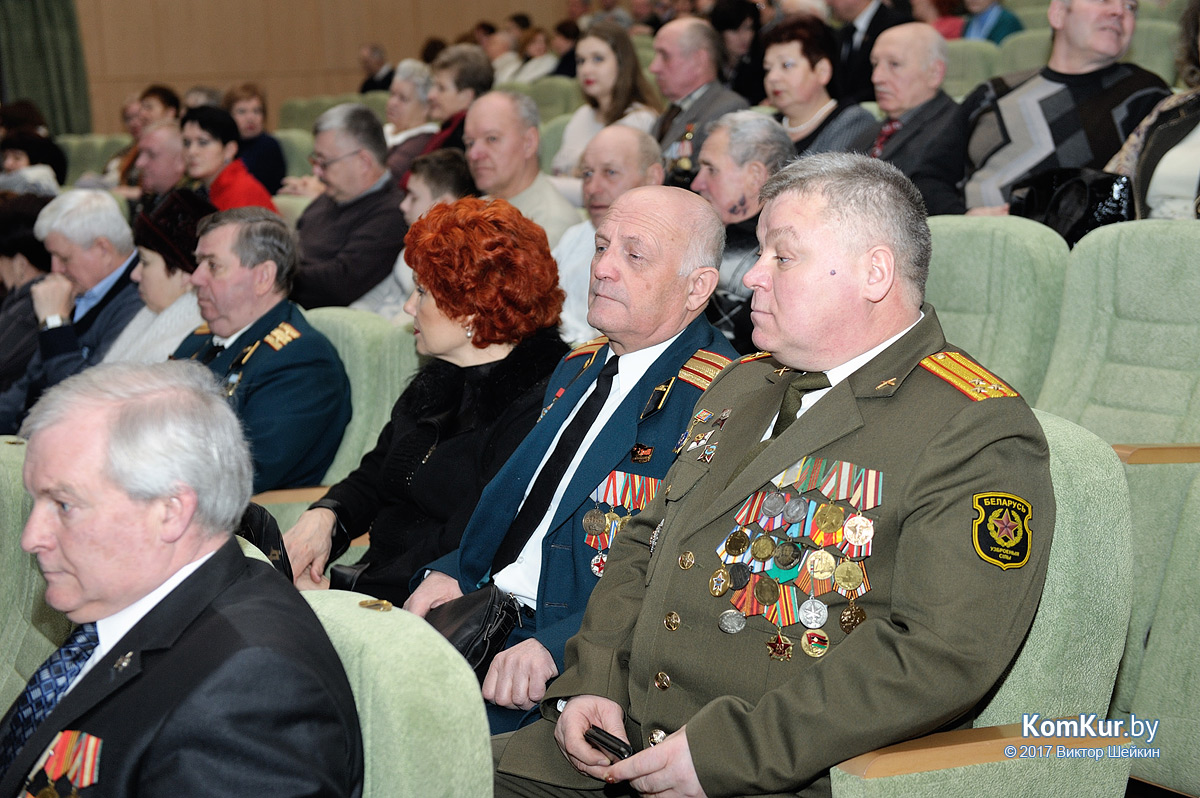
x,y
851,553
283,378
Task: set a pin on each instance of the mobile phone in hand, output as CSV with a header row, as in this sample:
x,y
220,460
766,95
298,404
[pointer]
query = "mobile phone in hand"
x,y
608,743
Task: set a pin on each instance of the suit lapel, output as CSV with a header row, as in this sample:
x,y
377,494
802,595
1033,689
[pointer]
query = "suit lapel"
x,y
915,125
159,629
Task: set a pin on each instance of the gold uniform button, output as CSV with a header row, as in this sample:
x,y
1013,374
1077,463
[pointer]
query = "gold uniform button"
x,y
671,621
656,736
687,560
662,681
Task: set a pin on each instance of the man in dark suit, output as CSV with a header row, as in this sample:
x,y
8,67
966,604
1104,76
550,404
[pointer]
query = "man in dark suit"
x,y
862,22
827,582
193,670
284,379
687,59
909,64
540,529
86,301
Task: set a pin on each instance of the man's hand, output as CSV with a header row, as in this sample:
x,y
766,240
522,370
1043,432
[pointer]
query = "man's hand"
x,y
54,294
436,589
307,186
989,210
308,544
580,714
665,770
517,676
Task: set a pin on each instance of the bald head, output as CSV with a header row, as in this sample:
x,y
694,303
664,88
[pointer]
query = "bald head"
x,y
617,159
687,55
908,64
657,253
160,157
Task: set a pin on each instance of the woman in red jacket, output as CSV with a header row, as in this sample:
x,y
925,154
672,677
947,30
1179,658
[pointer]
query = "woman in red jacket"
x,y
210,148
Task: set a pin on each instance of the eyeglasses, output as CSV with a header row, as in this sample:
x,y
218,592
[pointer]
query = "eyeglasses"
x,y
325,163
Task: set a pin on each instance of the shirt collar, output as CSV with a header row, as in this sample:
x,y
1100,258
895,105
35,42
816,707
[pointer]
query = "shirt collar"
x,y
91,297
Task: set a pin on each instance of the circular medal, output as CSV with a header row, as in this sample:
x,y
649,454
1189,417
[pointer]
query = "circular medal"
x,y
852,616
684,163
766,590
795,510
598,563
773,505
731,622
610,519
787,554
814,613
739,575
671,621
718,583
737,542
687,560
593,522
762,548
858,530
848,575
829,517
821,564
815,643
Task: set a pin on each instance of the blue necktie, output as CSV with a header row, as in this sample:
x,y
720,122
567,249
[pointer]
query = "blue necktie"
x,y
45,687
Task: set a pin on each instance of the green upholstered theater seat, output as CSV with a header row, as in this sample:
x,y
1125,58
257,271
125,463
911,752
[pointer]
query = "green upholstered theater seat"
x,y
997,282
425,733
550,135
1067,664
969,62
1027,49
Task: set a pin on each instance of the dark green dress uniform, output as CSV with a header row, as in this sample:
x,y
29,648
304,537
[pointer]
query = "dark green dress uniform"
x,y
946,469
288,386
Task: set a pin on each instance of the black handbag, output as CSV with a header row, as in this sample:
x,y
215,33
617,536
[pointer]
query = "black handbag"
x,y
477,624
1073,202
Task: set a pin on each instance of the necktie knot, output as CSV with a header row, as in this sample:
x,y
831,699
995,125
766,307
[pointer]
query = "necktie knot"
x,y
886,131
803,383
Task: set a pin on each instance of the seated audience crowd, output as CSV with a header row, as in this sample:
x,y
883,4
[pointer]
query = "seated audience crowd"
x,y
727,246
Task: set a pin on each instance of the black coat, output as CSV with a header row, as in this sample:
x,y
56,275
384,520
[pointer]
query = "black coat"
x,y
450,432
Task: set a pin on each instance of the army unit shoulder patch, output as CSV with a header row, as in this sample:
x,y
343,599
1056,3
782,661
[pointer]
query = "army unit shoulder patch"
x,y
1001,532
967,376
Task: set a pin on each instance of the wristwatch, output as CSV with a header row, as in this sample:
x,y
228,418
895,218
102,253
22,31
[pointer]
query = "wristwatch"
x,y
53,321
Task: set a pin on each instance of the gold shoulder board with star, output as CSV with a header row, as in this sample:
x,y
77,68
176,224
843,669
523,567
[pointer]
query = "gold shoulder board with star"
x,y
967,376
281,336
590,348
702,368
755,356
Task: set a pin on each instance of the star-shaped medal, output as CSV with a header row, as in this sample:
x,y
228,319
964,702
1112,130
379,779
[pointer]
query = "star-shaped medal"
x,y
780,647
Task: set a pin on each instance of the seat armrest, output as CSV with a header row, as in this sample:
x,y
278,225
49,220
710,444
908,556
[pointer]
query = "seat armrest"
x,y
963,747
1157,453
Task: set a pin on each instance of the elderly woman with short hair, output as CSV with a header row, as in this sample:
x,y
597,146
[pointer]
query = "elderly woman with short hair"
x,y
408,129
485,311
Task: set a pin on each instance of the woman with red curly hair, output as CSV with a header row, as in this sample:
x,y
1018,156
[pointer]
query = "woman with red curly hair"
x,y
485,310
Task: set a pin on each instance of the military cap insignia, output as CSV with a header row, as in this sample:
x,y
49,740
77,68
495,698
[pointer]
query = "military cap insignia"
x,y
281,336
1001,531
967,376
590,348
702,368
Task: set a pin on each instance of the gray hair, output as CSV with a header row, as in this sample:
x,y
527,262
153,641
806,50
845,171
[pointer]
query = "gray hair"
x,y
169,425
649,152
706,239
524,105
755,137
261,236
83,215
418,74
699,34
358,123
872,203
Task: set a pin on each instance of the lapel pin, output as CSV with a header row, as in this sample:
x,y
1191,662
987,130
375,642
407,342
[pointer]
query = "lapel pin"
x,y
891,382
123,662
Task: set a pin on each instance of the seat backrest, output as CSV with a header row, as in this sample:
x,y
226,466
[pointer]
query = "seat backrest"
x,y
1069,659
996,283
643,45
555,95
1168,690
551,134
424,729
1033,17
29,629
1125,362
1027,49
379,359
375,100
89,152
1153,47
297,145
969,62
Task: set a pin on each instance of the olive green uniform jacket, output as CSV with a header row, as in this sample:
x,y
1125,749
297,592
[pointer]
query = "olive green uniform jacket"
x,y
942,623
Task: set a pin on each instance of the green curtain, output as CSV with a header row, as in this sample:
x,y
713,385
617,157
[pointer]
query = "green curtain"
x,y
41,59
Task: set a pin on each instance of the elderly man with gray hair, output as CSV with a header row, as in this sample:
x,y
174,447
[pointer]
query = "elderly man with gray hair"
x,y
501,140
189,663
86,301
742,150
351,234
